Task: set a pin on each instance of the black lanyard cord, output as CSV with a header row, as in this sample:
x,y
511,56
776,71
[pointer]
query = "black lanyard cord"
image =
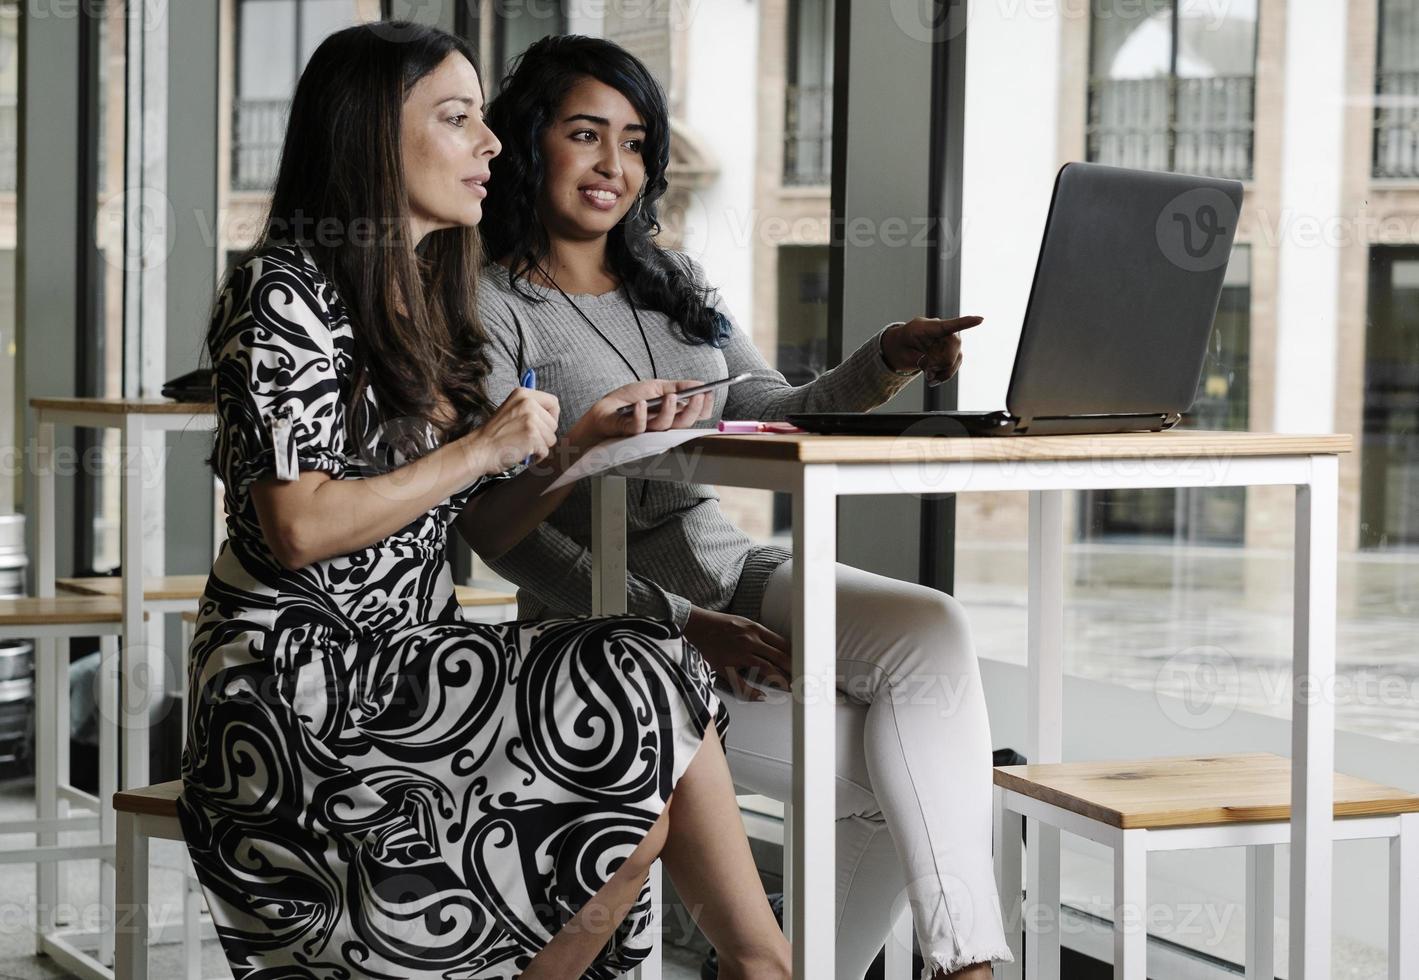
x,y
654,372
650,355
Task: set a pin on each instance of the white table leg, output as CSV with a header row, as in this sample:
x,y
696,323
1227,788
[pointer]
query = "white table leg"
x,y
608,545
135,656
1131,906
1008,825
608,598
108,781
814,720
1044,741
1261,912
131,902
1404,899
51,680
898,964
1313,720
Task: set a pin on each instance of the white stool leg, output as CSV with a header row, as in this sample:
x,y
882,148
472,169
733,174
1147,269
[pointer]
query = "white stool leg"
x,y
1130,906
898,965
1008,883
50,685
131,907
1042,910
1261,912
108,780
1404,899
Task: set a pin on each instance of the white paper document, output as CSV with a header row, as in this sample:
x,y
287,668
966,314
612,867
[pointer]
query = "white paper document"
x,y
618,452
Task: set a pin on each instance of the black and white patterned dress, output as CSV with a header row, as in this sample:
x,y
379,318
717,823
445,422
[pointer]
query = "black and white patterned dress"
x,y
372,786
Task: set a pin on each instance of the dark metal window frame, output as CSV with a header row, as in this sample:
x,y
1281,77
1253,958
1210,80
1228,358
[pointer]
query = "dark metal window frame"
x,y
88,278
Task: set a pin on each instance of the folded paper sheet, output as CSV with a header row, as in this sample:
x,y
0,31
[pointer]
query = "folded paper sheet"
x,y
618,452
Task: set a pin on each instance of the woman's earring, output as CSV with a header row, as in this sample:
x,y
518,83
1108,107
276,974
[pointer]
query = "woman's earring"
x,y
636,213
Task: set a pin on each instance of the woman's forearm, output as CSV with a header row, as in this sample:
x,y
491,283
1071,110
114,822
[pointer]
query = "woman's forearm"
x,y
501,516
316,517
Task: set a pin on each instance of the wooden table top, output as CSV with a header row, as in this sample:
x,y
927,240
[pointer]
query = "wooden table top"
x,y
60,610
155,587
808,448
124,406
1190,790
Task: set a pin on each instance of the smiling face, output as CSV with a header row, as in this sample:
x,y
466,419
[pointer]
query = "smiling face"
x,y
445,147
592,159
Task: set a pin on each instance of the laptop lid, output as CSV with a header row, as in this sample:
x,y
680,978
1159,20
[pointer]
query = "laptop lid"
x,y
1125,291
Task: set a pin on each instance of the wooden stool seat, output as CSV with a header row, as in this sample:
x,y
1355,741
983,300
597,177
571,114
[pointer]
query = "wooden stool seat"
x,y
1188,791
59,611
473,595
1135,808
159,800
156,588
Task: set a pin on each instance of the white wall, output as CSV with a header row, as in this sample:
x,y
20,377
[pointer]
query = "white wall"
x,y
721,105
1010,157
1308,286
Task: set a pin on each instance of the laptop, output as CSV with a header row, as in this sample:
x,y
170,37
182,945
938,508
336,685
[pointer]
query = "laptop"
x,y
1116,329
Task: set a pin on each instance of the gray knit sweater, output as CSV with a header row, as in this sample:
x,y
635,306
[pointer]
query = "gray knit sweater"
x,y
682,550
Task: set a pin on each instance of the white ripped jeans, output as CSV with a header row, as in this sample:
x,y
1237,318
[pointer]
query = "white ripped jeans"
x,y
914,770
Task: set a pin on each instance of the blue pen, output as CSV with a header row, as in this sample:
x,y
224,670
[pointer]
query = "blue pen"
x,y
529,380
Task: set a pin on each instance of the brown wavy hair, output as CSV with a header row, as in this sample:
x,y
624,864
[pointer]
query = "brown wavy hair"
x,y
340,192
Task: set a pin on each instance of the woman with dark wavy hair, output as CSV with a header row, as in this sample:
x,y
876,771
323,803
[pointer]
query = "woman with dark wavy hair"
x,y
373,787
583,293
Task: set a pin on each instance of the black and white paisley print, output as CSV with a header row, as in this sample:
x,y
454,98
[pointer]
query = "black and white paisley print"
x,y
374,787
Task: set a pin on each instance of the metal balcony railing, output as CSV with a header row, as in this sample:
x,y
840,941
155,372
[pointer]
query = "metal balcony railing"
x,y
808,135
1396,143
1188,125
258,129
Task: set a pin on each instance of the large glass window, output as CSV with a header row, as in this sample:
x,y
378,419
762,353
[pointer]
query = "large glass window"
x,y
1171,85
1212,516
1180,600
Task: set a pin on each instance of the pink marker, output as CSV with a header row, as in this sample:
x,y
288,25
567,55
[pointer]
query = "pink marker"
x,y
744,427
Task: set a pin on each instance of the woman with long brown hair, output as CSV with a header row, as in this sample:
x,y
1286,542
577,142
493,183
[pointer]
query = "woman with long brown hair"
x,y
373,787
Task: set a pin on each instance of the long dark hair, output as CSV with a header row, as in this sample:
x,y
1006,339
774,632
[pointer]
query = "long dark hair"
x,y
340,192
526,104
